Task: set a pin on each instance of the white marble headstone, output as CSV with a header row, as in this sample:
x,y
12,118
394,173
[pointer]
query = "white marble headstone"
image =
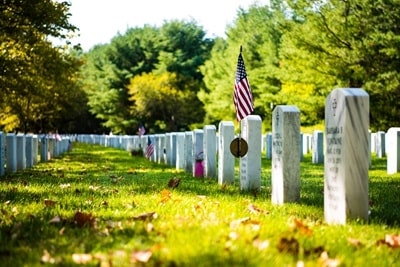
x,y
318,147
226,161
210,151
2,158
189,151
198,150
11,140
285,154
393,152
250,164
346,155
180,151
29,150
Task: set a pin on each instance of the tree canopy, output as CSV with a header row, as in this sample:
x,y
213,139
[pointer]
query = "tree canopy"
x,y
38,79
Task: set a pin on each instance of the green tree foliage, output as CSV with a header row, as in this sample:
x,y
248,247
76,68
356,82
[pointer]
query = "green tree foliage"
x,y
257,32
37,79
178,48
347,44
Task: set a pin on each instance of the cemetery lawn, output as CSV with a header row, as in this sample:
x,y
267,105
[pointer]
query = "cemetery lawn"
x,y
98,206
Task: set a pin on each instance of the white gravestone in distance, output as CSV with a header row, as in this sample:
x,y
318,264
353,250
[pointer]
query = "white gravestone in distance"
x,y
189,151
393,151
21,152
318,147
197,152
210,151
29,150
2,158
250,164
11,140
285,154
346,155
380,144
226,161
180,151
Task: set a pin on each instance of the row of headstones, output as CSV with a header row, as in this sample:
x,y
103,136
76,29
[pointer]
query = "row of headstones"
x,y
20,151
346,154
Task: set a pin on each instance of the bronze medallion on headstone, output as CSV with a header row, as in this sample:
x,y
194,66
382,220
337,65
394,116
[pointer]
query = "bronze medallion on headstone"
x,y
239,147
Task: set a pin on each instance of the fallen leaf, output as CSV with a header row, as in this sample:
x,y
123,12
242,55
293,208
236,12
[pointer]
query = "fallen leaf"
x,y
64,186
146,216
49,202
301,226
79,258
174,182
141,256
84,219
165,195
325,261
236,223
55,219
392,241
260,244
47,258
354,242
290,245
253,209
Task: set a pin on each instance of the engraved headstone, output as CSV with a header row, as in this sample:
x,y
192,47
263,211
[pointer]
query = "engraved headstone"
x,y
29,150
43,149
226,161
347,155
318,147
268,145
197,156
380,144
250,164
393,152
180,151
285,154
11,140
189,151
2,156
210,151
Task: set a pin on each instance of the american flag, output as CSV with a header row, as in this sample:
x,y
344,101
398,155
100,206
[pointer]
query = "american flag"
x,y
242,98
149,148
142,130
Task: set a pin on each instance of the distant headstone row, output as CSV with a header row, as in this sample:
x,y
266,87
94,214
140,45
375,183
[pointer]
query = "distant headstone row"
x,y
344,147
20,151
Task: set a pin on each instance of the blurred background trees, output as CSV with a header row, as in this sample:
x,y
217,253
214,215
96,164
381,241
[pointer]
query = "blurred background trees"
x,y
174,78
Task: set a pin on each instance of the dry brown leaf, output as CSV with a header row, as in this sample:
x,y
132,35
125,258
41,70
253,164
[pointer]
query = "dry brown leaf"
x,y
146,216
47,258
290,245
80,258
354,242
55,219
260,244
141,256
174,182
165,195
84,219
236,223
325,261
300,226
392,241
49,202
253,209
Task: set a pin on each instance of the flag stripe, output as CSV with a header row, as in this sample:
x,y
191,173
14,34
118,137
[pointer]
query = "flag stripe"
x,y
149,148
242,98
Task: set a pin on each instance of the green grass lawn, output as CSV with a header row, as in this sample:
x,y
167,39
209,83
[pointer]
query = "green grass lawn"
x,y
98,206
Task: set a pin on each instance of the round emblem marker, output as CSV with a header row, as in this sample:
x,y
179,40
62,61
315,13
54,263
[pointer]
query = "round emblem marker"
x,y
239,147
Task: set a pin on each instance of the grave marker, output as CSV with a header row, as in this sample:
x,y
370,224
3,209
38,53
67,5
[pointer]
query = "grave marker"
x,y
347,155
226,161
318,147
197,156
2,158
285,154
250,164
11,140
189,151
210,151
393,152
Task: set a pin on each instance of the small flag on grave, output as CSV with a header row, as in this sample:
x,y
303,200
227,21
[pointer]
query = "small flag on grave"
x,y
149,148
